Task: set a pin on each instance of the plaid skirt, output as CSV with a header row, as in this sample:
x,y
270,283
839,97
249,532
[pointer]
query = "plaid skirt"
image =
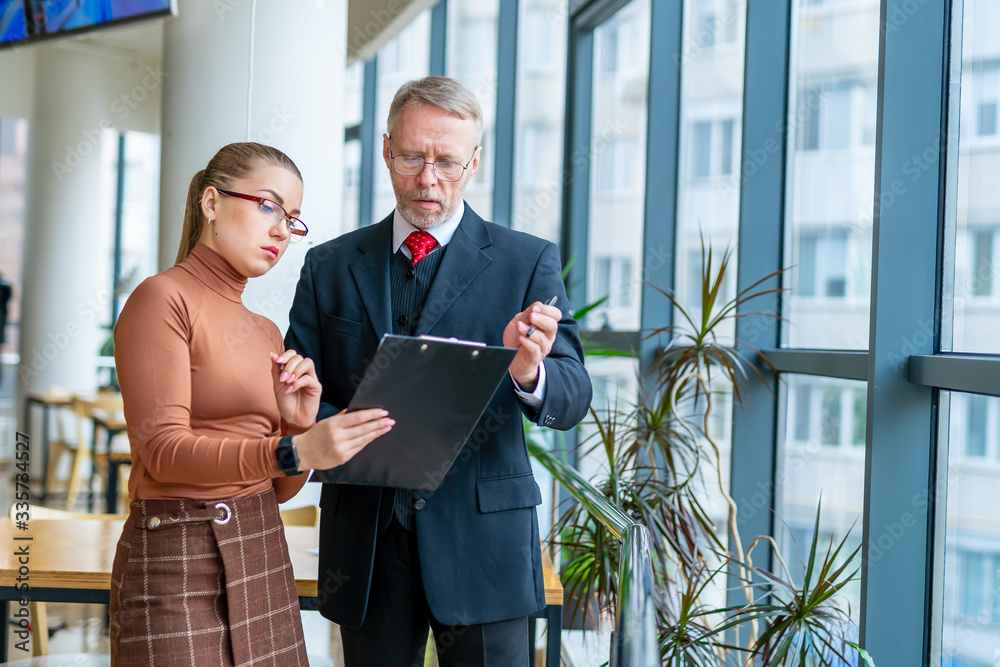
x,y
205,583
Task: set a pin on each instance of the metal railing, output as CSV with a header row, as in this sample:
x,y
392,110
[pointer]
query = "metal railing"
x,y
633,641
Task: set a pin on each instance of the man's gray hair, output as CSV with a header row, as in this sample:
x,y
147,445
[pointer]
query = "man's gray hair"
x,y
439,91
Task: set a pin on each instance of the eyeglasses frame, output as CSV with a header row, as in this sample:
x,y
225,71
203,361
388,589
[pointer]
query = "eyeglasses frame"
x,y
289,219
392,159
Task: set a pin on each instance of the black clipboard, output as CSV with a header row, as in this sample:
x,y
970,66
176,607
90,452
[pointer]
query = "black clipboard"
x,y
436,389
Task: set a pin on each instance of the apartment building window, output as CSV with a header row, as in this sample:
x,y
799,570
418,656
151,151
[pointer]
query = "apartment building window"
x,y
987,118
979,586
832,414
981,277
614,279
718,22
616,166
540,51
977,425
841,115
712,154
530,142
983,87
977,418
608,49
822,264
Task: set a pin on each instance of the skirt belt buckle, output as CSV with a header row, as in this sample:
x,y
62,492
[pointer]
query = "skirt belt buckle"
x,y
227,513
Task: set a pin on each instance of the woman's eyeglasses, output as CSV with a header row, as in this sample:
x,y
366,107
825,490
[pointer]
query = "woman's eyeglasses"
x,y
274,212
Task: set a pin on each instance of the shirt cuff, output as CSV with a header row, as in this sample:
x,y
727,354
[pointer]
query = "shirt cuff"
x,y
532,399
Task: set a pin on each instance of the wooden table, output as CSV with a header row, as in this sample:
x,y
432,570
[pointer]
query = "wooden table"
x,y
46,402
112,425
70,561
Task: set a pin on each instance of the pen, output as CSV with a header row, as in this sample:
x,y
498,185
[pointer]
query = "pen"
x,y
550,302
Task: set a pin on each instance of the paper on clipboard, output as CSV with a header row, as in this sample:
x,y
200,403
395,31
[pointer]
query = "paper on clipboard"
x,y
436,389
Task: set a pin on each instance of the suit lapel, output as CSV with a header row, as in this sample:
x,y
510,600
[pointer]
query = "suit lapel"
x,y
463,260
370,268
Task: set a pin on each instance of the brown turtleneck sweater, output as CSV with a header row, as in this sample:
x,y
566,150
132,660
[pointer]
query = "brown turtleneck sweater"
x,y
195,375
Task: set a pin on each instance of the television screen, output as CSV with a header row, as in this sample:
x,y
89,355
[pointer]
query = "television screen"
x,y
26,21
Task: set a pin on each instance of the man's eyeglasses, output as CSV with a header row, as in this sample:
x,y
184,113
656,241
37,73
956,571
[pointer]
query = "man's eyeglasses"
x,y
444,170
274,212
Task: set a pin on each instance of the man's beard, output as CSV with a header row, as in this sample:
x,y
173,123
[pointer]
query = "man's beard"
x,y
421,218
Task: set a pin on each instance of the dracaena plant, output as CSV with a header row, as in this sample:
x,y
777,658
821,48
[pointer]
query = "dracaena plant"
x,y
660,460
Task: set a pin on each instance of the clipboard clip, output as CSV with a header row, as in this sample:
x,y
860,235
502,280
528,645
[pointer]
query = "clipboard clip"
x,y
452,340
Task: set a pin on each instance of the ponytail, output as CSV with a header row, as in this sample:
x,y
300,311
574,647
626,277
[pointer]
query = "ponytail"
x,y
193,218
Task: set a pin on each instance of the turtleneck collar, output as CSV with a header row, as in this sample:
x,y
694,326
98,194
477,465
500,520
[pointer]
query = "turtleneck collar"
x,y
215,271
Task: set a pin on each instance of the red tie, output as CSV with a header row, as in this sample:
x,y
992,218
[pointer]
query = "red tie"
x,y
420,243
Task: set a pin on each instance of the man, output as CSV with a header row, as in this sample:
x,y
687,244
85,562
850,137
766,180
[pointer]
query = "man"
x,y
464,558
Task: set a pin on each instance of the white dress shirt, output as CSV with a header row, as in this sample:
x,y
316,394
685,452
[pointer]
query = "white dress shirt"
x,y
442,233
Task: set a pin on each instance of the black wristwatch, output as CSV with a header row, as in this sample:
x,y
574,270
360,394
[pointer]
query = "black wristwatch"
x,y
288,458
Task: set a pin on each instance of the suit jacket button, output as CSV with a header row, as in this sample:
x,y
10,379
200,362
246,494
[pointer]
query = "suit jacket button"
x,y
403,319
410,273
419,504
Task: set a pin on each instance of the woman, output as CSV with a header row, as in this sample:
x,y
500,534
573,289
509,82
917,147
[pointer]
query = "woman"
x,y
222,421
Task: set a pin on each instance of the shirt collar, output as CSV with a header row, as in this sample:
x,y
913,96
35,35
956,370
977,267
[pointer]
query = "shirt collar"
x,y
401,228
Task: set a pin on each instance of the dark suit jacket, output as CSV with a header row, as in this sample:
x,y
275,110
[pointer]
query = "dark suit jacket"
x,y
477,534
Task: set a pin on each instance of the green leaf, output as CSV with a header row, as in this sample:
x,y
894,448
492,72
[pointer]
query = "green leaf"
x,y
864,654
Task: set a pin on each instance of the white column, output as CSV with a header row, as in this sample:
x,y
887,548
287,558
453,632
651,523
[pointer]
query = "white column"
x,y
239,70
80,90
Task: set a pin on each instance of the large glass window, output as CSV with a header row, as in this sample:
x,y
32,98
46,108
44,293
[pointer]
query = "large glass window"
x,y
128,243
977,271
351,198
823,456
831,174
618,165
711,115
541,86
404,58
971,631
140,212
472,59
354,89
13,167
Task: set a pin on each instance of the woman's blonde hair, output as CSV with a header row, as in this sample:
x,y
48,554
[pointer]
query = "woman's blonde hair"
x,y
232,162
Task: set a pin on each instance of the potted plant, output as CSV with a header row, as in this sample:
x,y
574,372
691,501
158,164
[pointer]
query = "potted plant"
x,y
661,459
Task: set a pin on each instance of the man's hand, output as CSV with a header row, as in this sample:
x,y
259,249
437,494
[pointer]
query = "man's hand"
x,y
531,351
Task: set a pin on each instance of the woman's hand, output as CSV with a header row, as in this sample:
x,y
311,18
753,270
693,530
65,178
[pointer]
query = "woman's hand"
x,y
296,388
335,440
